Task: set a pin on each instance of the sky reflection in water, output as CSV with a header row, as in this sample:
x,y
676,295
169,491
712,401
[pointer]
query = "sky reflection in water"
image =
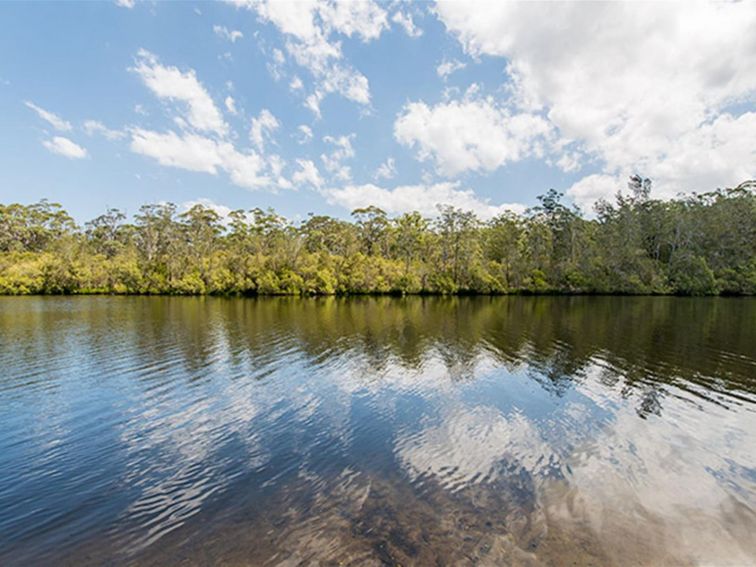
x,y
377,430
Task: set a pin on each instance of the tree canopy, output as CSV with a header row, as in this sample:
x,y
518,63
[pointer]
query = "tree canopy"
x,y
695,245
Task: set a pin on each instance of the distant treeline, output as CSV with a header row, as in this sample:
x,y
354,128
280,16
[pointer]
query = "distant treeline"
x,y
695,245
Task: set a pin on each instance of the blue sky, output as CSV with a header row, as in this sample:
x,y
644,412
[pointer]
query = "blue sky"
x,y
326,106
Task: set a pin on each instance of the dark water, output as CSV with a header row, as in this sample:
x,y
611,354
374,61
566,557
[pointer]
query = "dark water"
x,y
419,431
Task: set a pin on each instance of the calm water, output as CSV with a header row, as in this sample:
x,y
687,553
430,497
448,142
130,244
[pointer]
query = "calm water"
x,y
419,431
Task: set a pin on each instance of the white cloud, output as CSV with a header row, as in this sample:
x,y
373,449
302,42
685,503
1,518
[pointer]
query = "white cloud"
x,y
421,198
277,164
308,173
65,147
125,3
333,161
188,151
276,66
449,66
331,77
720,153
637,86
230,104
230,35
356,17
313,102
305,133
591,188
405,21
296,84
194,152
172,84
569,162
246,169
469,134
92,127
263,128
222,210
387,170
344,149
308,27
53,119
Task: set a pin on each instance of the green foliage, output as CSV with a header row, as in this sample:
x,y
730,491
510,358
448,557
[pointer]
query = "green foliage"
x,y
699,245
691,275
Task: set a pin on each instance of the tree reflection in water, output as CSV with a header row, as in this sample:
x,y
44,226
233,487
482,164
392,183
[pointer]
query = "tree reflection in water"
x,y
519,430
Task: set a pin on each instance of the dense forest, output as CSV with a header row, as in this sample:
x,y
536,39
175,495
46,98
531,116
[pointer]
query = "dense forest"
x,y
694,245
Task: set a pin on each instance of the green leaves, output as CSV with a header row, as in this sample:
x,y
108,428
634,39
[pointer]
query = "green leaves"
x,y
699,245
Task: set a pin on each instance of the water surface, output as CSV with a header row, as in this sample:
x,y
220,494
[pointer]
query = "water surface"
x,y
417,431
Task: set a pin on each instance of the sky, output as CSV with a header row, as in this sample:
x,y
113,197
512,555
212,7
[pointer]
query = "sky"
x,y
322,107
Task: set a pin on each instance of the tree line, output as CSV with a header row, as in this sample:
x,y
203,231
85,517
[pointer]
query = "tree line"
x,y
701,244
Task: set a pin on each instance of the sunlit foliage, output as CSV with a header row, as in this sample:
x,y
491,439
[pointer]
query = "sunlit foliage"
x,y
696,245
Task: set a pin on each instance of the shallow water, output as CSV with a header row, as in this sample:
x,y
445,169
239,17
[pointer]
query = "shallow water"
x,y
417,431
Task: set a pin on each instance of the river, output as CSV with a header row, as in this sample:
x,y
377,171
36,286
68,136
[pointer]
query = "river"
x,y
360,431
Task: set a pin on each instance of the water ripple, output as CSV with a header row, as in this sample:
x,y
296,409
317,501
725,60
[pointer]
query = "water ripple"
x,y
160,431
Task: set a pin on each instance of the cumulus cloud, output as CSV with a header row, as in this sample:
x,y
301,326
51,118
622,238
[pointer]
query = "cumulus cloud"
x,y
172,84
307,174
309,26
406,22
720,153
449,66
194,152
53,119
333,161
263,127
421,198
469,134
222,210
204,143
125,3
635,86
358,17
65,147
247,169
188,151
591,188
387,170
230,35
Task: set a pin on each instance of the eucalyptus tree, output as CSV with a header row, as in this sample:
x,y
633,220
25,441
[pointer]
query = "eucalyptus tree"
x,y
410,237
699,244
33,227
459,245
106,233
374,229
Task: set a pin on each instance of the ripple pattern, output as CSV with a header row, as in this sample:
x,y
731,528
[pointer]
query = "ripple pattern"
x,y
160,431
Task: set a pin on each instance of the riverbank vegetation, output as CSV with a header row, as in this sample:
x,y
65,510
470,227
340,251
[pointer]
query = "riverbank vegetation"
x,y
694,245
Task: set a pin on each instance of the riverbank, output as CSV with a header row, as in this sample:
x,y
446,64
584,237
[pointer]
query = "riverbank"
x,y
396,294
702,245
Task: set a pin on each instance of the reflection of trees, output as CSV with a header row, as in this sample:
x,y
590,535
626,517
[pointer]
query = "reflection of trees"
x,y
641,344
217,349
644,344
